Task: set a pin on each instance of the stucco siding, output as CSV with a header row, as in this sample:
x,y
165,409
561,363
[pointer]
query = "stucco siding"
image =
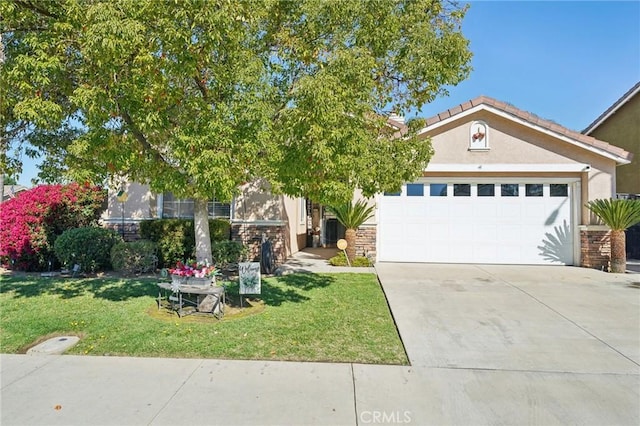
x,y
140,204
296,218
370,202
508,143
623,129
255,203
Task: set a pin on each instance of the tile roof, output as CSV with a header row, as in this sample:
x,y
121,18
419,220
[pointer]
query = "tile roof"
x,y
613,108
532,119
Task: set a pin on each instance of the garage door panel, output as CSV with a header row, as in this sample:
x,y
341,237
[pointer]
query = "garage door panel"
x,y
473,229
509,234
437,210
460,233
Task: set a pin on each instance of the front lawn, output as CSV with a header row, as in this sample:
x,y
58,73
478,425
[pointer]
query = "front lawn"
x,y
306,317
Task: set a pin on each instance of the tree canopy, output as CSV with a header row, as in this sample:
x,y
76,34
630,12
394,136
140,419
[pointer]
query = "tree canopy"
x,y
198,96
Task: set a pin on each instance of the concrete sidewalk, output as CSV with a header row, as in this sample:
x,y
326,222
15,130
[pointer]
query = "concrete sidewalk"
x,y
314,260
77,390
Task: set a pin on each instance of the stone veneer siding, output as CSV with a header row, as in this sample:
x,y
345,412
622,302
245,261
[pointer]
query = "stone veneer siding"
x,y
366,242
251,236
595,247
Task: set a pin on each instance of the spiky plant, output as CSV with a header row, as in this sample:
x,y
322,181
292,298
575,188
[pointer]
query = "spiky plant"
x,y
352,216
617,214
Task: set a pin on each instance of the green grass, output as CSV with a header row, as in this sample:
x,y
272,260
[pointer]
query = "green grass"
x,y
306,317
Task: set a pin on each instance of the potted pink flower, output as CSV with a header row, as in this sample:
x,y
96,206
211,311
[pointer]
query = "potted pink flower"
x,y
193,273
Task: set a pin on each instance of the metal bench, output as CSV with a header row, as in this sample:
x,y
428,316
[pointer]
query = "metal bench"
x,y
209,299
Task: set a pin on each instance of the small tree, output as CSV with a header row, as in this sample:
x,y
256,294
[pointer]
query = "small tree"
x,y
617,214
352,216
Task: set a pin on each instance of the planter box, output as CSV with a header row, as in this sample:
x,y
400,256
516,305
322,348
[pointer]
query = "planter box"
x,y
199,282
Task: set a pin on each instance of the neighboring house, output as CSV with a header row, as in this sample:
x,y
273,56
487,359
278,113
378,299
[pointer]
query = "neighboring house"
x,y
504,186
11,191
620,125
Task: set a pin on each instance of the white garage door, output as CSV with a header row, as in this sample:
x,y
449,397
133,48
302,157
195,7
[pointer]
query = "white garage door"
x,y
509,222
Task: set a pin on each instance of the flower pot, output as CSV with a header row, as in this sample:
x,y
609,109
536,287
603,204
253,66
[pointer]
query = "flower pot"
x,y
199,282
178,279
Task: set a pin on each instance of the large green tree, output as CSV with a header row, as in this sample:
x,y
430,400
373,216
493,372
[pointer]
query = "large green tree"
x,y
198,96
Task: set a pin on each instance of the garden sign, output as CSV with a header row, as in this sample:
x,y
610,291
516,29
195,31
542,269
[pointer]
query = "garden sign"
x,y
249,277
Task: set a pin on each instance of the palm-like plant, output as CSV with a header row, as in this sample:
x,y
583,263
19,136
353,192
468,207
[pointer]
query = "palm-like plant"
x,y
352,216
617,214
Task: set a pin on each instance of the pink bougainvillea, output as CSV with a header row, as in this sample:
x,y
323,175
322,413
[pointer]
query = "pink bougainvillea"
x,y
30,223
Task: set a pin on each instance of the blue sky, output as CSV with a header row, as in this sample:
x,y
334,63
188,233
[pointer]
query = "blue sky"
x,y
564,61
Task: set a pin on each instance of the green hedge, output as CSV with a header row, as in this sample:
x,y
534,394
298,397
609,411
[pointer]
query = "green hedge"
x,y
89,247
176,237
134,257
341,260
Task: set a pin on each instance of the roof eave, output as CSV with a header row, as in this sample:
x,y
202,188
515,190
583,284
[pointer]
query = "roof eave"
x,y
612,109
479,104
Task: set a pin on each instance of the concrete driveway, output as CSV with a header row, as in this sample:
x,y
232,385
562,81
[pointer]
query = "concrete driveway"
x,y
552,344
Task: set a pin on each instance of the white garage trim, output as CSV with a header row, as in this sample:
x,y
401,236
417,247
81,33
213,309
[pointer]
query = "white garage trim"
x,y
526,168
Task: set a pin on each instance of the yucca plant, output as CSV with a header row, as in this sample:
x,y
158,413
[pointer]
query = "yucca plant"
x,y
352,216
617,214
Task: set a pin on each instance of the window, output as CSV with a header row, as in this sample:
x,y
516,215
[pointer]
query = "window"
x,y
559,189
302,211
509,190
415,190
392,194
461,190
183,208
533,190
486,190
438,189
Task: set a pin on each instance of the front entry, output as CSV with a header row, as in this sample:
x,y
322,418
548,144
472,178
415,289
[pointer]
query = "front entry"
x,y
333,231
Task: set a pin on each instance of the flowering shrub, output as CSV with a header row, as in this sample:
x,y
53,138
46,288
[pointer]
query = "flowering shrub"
x,y
30,223
193,269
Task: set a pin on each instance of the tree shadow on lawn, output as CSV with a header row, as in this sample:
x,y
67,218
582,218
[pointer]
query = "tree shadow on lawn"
x,y
289,289
102,288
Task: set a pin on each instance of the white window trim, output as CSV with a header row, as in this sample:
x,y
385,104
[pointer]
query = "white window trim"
x,y
302,211
483,145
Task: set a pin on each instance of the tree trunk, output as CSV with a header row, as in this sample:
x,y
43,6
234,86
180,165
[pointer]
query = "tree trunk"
x,y
618,252
201,224
350,236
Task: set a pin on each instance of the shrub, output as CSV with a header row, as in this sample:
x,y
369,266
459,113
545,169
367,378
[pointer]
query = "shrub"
x,y
176,238
134,257
227,252
31,222
341,260
89,247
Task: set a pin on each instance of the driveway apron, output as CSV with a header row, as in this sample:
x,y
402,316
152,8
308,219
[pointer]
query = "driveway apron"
x,y
524,318
493,344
